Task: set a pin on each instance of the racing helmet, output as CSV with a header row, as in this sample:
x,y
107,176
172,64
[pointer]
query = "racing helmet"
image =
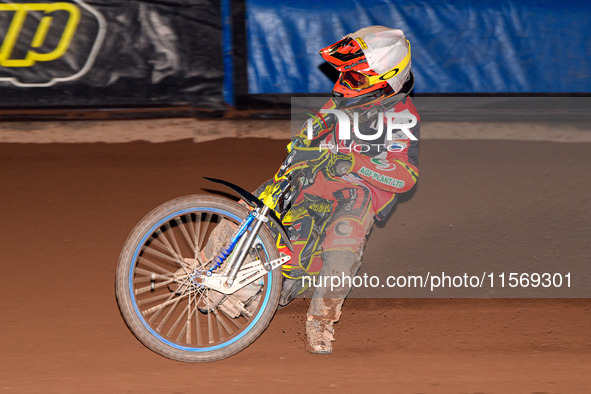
x,y
369,60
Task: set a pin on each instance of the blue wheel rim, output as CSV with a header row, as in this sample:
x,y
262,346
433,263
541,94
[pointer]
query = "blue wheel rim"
x,y
139,314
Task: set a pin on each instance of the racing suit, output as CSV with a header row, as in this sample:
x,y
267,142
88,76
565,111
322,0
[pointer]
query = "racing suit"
x,y
332,216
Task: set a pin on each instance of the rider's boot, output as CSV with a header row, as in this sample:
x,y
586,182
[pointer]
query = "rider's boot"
x,y
322,314
325,306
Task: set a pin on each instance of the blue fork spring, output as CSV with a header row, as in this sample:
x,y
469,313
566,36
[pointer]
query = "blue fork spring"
x,y
225,252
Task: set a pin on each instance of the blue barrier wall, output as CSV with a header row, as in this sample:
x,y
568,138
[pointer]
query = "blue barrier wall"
x,y
459,46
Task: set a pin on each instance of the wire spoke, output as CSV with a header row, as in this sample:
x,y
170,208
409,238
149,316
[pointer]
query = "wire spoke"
x,y
160,310
163,242
233,320
198,325
177,322
222,323
156,253
153,299
209,322
155,267
192,235
186,235
145,289
197,234
187,326
170,233
174,303
148,275
204,231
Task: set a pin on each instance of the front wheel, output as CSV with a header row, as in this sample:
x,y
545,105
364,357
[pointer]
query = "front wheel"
x,y
158,290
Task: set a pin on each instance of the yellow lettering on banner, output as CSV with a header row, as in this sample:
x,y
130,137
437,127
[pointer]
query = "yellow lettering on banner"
x,y
16,25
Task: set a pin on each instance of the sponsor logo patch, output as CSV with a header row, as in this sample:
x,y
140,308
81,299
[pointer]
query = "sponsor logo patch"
x,y
383,164
386,180
343,228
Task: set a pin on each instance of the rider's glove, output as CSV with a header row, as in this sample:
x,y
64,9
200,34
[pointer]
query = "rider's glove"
x,y
339,164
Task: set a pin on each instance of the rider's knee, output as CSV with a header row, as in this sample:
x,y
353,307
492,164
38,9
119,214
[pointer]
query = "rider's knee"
x,y
338,270
340,261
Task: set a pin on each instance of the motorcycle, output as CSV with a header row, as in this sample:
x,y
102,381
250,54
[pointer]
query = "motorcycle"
x,y
199,278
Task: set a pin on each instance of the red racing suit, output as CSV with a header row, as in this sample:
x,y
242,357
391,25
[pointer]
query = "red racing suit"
x,y
336,212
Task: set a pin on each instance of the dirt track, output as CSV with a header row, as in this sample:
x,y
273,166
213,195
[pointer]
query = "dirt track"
x,y
67,209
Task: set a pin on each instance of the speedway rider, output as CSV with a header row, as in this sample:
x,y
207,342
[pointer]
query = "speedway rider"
x,y
354,184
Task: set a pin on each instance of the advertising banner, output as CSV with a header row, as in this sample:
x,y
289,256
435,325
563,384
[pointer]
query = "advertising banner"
x,y
110,53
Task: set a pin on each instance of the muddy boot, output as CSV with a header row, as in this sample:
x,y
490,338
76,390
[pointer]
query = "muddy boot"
x,y
325,306
319,335
322,314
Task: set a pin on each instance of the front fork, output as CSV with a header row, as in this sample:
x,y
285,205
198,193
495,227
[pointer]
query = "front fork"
x,y
259,215
241,242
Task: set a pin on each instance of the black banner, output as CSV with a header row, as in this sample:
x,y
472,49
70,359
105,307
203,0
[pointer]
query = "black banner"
x,y
108,53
